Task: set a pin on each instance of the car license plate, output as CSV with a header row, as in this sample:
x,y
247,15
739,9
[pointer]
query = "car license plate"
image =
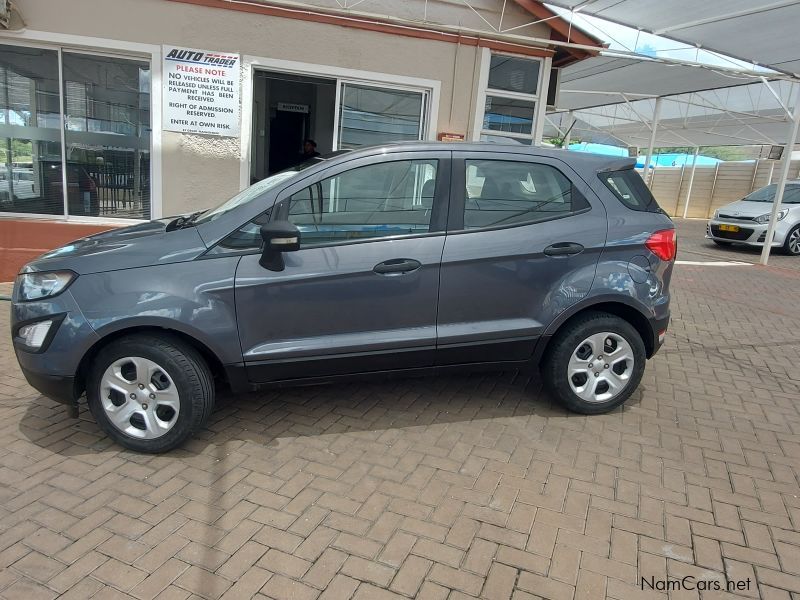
x,y
732,228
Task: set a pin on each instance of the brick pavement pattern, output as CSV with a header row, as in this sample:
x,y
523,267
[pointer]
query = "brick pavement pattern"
x,y
437,488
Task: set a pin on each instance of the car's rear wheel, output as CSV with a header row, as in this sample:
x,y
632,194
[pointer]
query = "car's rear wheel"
x,y
791,245
595,363
150,392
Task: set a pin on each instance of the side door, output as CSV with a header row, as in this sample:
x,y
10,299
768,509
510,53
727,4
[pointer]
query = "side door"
x,y
524,237
361,293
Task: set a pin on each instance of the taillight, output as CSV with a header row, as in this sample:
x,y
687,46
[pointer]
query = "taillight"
x,y
664,244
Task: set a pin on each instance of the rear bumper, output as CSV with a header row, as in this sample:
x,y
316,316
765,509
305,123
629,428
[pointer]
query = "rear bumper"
x,y
659,327
56,387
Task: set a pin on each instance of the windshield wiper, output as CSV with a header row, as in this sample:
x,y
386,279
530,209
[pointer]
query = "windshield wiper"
x,y
185,221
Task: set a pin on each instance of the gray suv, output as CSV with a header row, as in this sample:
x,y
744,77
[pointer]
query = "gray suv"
x,y
415,258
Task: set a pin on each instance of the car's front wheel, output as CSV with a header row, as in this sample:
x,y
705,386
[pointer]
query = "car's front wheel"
x,y
595,363
150,392
791,245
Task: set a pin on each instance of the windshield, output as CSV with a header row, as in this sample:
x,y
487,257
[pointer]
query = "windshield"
x,y
254,191
791,195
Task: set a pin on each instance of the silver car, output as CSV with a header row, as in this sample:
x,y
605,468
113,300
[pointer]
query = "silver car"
x,y
745,221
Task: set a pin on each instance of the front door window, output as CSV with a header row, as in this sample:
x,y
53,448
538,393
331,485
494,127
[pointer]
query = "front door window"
x,y
379,200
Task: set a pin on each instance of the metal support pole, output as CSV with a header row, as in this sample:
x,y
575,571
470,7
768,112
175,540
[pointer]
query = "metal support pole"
x,y
656,113
691,181
568,136
786,161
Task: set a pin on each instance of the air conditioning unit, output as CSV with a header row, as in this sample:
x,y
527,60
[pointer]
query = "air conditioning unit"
x,y
5,13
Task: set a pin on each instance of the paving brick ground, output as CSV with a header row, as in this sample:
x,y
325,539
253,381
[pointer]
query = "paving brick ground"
x,y
439,488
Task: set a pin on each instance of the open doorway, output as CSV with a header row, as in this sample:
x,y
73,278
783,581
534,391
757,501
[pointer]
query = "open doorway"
x,y
289,109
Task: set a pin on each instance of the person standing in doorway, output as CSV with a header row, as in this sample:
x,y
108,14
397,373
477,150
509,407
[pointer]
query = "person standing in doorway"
x,y
309,151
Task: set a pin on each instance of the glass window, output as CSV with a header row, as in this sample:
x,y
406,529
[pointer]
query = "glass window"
x,y
107,134
509,192
384,199
629,188
511,100
30,135
247,237
370,115
514,74
509,115
107,120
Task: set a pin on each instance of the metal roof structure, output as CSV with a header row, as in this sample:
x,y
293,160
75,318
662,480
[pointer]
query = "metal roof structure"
x,y
761,32
607,109
629,99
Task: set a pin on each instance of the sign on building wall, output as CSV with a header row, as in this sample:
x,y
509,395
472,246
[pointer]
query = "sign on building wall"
x,y
201,91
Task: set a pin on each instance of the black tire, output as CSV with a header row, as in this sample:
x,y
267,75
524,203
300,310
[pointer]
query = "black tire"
x,y
189,373
567,342
719,243
787,248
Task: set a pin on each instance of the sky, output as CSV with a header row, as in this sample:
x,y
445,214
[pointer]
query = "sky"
x,y
621,37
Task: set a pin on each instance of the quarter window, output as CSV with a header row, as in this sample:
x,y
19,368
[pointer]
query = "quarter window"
x,y
502,193
384,199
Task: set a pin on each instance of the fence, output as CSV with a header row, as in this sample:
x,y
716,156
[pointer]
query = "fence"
x,y
713,186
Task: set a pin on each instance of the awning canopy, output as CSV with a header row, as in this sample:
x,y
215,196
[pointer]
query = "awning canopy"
x,y
613,100
763,32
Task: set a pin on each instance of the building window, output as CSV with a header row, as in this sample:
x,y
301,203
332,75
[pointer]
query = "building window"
x,y
103,153
509,100
372,115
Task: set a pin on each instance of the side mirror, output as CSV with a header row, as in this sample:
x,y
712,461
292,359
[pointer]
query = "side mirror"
x,y
279,237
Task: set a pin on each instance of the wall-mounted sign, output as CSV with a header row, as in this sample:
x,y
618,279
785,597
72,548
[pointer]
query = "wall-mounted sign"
x,y
291,107
201,91
450,137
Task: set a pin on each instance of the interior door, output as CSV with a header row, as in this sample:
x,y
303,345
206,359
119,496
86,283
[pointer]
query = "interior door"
x,y
361,293
524,238
287,130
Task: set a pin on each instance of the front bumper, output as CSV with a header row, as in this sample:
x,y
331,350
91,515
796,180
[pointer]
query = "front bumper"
x,y
56,387
53,371
749,232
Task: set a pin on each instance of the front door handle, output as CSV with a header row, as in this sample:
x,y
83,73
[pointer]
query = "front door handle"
x,y
563,249
397,266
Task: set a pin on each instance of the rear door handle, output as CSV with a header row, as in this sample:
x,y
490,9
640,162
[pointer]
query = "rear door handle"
x,y
563,249
397,266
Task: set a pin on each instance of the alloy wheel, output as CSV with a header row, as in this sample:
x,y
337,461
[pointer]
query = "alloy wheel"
x,y
139,397
794,241
600,367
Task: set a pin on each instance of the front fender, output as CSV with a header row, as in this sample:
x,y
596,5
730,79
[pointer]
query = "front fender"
x,y
195,298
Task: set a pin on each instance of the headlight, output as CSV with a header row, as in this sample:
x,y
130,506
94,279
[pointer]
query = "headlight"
x,y
765,218
40,285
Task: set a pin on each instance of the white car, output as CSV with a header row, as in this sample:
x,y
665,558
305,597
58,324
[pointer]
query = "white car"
x,y
745,221
22,185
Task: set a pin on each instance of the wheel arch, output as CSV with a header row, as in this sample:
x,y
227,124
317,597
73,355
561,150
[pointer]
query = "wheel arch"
x,y
621,307
211,358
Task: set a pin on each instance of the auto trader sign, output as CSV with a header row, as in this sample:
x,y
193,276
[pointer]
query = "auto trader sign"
x,y
201,91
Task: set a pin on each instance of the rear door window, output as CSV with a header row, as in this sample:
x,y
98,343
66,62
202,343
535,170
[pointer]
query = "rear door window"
x,y
504,193
629,189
